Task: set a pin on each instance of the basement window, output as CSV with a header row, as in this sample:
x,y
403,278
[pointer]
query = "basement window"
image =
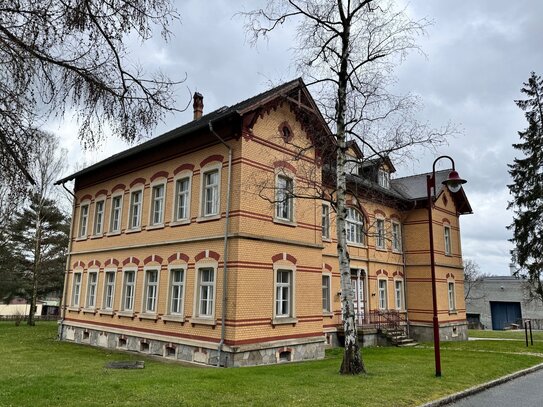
x,y
144,347
285,356
122,343
169,352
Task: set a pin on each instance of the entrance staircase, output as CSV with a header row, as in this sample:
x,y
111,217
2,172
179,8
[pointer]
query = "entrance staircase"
x,y
398,337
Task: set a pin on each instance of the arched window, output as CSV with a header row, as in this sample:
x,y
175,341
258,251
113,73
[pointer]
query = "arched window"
x,y
354,226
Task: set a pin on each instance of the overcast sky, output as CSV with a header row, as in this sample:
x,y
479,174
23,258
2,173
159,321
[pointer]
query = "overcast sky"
x,y
477,55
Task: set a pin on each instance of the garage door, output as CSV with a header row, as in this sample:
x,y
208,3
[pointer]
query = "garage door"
x,y
504,313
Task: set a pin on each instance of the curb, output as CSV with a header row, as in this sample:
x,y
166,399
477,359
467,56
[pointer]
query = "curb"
x,y
477,389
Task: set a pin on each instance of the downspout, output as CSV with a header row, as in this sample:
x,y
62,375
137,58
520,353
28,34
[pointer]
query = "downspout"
x,y
63,299
225,250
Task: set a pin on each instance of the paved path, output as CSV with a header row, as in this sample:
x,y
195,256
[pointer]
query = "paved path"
x,y
525,391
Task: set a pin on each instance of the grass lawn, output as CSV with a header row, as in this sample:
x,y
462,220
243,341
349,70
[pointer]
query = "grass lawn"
x,y
37,370
517,334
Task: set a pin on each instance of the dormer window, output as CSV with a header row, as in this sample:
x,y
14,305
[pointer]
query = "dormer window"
x,y
353,166
383,178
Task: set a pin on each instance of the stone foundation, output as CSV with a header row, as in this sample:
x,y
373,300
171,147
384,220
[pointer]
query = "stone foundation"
x,y
447,332
257,354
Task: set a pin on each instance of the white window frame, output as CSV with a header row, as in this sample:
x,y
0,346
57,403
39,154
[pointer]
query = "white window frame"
x,y
150,290
133,284
83,230
447,241
382,293
327,296
380,234
396,236
451,295
130,225
212,286
354,227
399,294
92,289
109,290
184,175
155,202
282,200
77,280
99,231
289,318
171,287
112,229
383,178
325,221
217,167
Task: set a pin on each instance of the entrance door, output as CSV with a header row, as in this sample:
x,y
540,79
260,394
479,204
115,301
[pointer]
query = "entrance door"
x,y
504,313
358,284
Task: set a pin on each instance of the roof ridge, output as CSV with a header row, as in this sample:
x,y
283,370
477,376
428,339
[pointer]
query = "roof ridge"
x,y
418,175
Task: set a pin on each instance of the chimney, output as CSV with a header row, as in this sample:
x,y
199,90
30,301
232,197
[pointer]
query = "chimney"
x,y
512,269
198,105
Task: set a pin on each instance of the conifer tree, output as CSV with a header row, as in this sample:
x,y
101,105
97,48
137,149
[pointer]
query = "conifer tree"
x,y
527,188
39,237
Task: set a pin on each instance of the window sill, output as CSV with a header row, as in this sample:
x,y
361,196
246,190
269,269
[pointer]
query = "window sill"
x,y
381,249
101,235
201,219
285,222
173,318
74,309
180,222
149,316
453,312
359,245
284,321
107,312
89,310
80,238
326,239
203,321
327,314
153,227
135,230
395,251
117,233
126,314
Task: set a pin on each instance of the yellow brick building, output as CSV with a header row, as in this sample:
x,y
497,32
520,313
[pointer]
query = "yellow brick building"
x,y
207,244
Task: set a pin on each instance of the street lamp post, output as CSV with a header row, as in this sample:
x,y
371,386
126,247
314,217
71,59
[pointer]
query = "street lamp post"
x,y
453,183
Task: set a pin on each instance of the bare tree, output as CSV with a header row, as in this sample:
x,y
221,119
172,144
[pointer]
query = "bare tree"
x,y
62,55
472,278
347,53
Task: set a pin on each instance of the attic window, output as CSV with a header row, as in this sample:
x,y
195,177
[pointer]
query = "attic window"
x,y
383,178
286,132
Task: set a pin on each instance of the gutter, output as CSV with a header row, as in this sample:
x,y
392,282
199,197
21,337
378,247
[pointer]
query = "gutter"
x,y
225,250
63,304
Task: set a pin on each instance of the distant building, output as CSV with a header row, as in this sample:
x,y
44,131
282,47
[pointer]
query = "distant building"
x,y
502,302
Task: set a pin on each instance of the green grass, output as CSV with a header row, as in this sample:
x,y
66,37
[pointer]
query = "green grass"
x,y
517,334
37,370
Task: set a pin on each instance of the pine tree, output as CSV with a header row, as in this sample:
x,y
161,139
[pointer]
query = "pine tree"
x,y
39,235
527,188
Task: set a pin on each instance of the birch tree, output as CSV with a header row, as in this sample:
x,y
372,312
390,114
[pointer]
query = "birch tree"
x,y
347,51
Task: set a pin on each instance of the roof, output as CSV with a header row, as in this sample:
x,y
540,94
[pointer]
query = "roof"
x,y
414,188
190,127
